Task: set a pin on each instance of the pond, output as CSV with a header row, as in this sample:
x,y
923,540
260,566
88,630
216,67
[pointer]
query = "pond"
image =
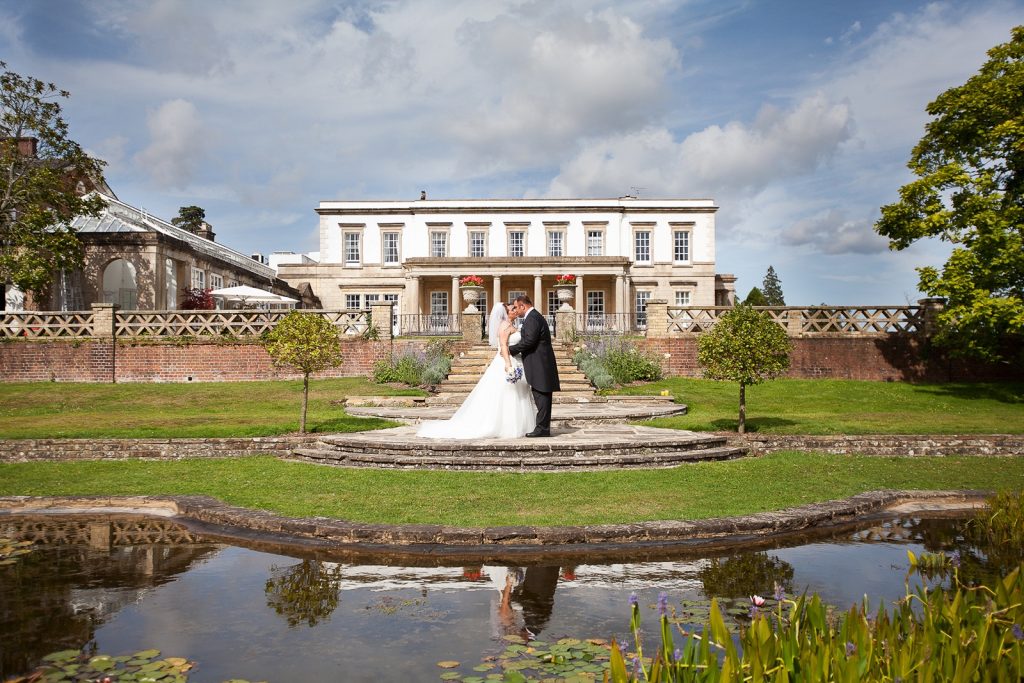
x,y
262,610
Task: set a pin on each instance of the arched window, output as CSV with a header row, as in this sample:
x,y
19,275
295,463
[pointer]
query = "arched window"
x,y
119,284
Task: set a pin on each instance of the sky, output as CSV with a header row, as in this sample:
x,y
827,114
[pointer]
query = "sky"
x,y
796,116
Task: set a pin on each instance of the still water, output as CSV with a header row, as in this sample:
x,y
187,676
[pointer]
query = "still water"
x,y
120,584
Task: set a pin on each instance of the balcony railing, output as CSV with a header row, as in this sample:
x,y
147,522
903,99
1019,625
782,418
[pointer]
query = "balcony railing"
x,y
812,320
611,323
429,324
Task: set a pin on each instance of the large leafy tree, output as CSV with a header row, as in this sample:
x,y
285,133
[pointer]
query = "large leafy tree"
x,y
40,168
756,298
307,342
744,346
969,191
771,287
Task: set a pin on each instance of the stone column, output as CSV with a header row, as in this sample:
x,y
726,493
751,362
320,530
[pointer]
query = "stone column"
x,y
538,293
620,293
412,295
456,304
565,325
657,318
472,327
380,314
794,321
103,320
497,290
581,304
931,307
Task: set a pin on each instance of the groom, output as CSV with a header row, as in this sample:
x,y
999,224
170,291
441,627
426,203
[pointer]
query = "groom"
x,y
538,360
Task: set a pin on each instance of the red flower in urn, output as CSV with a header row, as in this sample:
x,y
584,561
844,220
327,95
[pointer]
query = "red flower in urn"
x,y
566,279
471,281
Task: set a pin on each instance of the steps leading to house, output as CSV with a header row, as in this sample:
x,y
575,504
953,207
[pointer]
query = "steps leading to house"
x,y
468,367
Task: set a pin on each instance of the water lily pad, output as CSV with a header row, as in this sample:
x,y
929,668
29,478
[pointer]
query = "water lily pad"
x,y
62,656
514,639
102,662
451,676
472,679
483,667
515,677
146,654
448,664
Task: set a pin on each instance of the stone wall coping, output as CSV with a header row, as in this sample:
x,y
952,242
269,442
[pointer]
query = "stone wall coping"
x,y
425,538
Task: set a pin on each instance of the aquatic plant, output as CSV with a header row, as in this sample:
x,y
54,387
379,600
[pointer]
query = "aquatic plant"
x,y
11,550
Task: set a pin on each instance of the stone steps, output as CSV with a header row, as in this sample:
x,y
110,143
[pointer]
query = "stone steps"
x,y
470,365
569,448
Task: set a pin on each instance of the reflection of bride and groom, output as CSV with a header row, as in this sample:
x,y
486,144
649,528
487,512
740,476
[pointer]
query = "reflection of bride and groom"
x,y
524,601
500,405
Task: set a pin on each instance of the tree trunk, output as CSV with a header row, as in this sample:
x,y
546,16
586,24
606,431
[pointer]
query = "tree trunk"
x,y
305,401
743,408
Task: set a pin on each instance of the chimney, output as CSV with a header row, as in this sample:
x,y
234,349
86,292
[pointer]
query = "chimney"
x,y
257,257
27,147
205,231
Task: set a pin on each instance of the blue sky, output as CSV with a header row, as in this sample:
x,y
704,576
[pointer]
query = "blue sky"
x,y
797,117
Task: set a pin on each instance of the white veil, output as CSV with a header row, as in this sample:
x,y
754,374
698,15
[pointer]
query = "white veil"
x,y
498,315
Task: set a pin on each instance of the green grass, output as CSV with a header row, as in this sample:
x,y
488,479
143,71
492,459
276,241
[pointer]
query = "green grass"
x,y
215,409
693,491
793,406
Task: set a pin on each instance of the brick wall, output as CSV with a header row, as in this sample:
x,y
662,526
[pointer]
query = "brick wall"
x,y
882,358
101,361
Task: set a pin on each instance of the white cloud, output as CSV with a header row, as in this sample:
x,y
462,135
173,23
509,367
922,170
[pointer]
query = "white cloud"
x,y
715,161
177,144
831,232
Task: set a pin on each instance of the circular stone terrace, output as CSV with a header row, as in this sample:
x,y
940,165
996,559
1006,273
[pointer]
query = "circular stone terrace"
x,y
587,435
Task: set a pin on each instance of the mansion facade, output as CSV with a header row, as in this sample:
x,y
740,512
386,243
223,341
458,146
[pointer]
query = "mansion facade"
x,y
623,252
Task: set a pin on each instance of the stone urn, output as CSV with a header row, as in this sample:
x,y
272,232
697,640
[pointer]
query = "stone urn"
x,y
565,295
471,295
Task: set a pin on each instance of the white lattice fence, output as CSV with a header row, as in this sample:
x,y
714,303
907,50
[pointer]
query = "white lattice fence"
x,y
851,320
46,324
194,323
862,320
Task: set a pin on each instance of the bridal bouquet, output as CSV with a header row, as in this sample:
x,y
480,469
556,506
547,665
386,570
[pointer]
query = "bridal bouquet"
x,y
514,375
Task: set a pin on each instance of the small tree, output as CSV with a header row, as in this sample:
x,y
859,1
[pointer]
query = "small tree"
x,y
772,289
197,299
306,342
744,346
755,298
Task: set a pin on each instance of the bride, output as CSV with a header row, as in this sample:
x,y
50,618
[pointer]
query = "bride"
x,y
496,408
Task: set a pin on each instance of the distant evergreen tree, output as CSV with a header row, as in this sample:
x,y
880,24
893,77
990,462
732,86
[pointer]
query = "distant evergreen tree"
x,y
772,289
190,218
755,298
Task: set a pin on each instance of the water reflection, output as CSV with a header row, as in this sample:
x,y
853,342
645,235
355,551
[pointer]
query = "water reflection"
x,y
119,585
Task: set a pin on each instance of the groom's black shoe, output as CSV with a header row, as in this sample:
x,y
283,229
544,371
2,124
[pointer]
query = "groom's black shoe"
x,y
539,432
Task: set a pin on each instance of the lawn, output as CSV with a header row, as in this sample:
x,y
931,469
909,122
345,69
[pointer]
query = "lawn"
x,y
795,406
214,409
693,491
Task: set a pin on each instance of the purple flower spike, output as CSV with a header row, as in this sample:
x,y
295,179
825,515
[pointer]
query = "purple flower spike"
x,y
954,559
851,649
780,594
633,600
662,604
1018,632
636,665
677,655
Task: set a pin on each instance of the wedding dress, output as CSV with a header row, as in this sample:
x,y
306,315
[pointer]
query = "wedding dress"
x,y
496,408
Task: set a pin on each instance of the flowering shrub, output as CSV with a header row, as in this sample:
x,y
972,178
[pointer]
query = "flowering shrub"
x,y
566,279
607,361
471,281
416,368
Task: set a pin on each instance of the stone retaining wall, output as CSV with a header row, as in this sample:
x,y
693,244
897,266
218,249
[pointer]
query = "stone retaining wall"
x,y
882,444
26,450
426,537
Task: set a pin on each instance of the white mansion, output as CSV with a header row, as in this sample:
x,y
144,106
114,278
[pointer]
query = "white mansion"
x,y
623,253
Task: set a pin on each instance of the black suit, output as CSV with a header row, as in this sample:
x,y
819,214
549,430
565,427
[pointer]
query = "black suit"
x,y
539,364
